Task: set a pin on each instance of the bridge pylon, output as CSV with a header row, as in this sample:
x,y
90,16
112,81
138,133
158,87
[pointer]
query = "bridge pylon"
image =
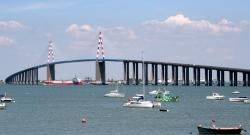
x,y
50,66
100,63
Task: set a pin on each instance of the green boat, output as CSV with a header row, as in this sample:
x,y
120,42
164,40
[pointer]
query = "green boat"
x,y
166,97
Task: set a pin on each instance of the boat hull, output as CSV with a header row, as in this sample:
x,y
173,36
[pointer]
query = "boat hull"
x,y
139,104
203,130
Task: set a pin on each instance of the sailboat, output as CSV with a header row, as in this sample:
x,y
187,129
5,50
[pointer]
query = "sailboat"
x,y
115,93
139,101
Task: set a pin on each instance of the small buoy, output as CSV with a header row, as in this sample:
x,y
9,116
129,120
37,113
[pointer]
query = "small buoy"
x,y
84,120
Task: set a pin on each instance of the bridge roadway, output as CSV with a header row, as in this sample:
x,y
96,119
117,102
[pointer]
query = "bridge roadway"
x,y
30,75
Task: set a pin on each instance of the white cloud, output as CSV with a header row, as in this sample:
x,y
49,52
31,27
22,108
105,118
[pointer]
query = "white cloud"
x,y
74,28
11,25
6,40
182,23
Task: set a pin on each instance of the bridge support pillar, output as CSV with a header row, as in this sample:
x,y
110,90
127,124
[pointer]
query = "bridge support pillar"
x,y
134,72
194,76
50,72
218,78
183,76
145,73
153,73
173,77
176,75
156,74
162,74
222,78
206,77
235,78
210,77
187,76
231,78
100,72
198,76
166,74
244,79
248,79
127,72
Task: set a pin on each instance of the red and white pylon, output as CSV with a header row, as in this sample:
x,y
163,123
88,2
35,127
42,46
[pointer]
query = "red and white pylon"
x,y
50,53
100,46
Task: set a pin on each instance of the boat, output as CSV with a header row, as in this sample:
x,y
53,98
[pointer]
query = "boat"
x,y
219,130
247,101
139,100
2,106
115,93
164,110
238,99
215,96
166,97
236,92
154,92
74,81
5,98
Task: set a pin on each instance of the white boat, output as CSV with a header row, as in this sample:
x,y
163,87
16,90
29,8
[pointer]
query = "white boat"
x,y
115,93
2,105
6,99
238,99
247,101
139,100
215,96
236,92
154,92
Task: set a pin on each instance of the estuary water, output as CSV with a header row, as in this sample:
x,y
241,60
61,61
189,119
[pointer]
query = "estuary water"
x,y
58,110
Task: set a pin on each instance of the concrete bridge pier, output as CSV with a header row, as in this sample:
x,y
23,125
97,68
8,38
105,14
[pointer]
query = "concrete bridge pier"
x,y
145,74
194,76
100,72
231,78
156,74
187,76
244,79
222,83
183,75
248,79
218,78
50,72
166,74
206,77
235,78
198,70
210,77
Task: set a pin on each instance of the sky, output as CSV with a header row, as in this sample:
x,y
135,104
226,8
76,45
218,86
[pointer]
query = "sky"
x,y
212,32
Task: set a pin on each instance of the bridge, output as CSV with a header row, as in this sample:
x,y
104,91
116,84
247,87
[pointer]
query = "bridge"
x,y
30,75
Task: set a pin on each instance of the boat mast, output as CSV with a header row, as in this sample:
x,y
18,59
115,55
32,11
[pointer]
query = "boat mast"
x,y
143,86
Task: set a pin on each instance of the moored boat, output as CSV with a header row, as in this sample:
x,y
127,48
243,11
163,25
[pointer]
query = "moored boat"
x,y
247,101
236,92
238,99
2,106
5,98
166,97
215,96
115,93
219,130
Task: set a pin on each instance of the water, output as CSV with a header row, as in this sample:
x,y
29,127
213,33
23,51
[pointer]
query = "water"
x,y
58,110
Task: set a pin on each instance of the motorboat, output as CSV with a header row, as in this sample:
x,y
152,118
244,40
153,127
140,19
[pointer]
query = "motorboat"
x,y
5,98
115,93
236,92
247,101
215,96
154,92
2,106
238,99
219,130
166,97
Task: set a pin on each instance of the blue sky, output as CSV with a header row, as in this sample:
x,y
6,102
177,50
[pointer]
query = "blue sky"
x,y
202,32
